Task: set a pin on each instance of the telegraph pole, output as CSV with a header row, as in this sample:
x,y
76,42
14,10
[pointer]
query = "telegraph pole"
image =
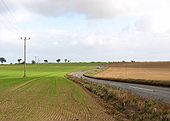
x,y
36,57
25,57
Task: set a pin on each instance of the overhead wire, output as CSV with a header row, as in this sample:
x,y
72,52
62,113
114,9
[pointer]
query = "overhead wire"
x,y
12,20
7,24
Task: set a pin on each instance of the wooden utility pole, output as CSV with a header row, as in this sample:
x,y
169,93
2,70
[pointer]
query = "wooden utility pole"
x,y
25,57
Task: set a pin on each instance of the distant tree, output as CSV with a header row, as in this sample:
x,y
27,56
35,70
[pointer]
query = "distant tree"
x,y
45,61
23,62
19,60
58,60
65,60
132,61
2,60
33,62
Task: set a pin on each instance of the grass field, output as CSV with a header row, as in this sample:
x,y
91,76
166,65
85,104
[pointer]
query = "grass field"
x,y
46,95
157,73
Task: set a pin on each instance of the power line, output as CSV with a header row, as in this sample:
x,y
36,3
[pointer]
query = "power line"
x,y
7,24
4,24
12,17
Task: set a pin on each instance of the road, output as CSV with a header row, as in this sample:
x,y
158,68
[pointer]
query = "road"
x,y
154,92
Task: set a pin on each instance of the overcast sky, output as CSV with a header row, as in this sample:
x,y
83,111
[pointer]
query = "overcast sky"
x,y
86,30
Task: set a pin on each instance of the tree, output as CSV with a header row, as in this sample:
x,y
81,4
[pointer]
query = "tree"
x,y
65,60
132,61
2,60
19,60
58,60
45,61
23,62
33,62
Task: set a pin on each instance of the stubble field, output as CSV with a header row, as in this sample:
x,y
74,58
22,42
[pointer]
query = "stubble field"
x,y
141,72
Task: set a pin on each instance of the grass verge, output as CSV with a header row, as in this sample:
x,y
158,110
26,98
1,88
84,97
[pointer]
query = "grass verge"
x,y
126,104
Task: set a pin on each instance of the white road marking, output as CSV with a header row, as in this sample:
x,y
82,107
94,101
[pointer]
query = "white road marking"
x,y
157,92
119,85
142,88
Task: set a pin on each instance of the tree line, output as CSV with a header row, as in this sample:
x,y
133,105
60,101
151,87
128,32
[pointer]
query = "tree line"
x,y
3,60
59,60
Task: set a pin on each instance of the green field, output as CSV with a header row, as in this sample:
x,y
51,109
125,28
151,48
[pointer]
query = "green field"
x,y
46,94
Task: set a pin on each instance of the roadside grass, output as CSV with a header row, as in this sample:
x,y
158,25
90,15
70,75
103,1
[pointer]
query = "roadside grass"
x,y
126,105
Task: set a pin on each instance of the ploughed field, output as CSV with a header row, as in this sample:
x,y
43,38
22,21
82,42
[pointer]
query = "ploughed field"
x,y
139,71
46,95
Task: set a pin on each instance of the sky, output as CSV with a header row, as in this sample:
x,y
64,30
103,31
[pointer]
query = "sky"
x,y
85,30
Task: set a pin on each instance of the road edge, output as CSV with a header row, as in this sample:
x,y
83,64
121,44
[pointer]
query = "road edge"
x,y
133,81
124,103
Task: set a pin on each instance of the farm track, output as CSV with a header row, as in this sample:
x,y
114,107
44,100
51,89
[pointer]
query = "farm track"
x,y
48,99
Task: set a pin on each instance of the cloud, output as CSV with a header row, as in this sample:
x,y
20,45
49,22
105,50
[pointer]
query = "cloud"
x,y
94,8
146,36
78,46
153,14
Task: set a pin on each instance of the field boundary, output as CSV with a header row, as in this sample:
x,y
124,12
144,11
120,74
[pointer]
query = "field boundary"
x,y
125,104
135,81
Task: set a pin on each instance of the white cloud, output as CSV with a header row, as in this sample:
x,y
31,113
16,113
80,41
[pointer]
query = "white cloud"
x,y
154,13
77,46
94,8
141,39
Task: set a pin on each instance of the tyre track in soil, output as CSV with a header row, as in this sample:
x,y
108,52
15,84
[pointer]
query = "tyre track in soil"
x,y
71,112
92,107
32,100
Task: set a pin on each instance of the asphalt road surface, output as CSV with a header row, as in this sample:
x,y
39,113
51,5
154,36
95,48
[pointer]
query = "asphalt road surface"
x,y
155,92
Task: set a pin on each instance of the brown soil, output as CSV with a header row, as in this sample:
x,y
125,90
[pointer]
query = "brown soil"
x,y
146,71
37,100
